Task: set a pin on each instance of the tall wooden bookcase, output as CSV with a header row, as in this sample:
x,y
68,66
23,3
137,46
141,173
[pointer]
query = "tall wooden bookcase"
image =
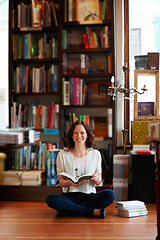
x,y
71,49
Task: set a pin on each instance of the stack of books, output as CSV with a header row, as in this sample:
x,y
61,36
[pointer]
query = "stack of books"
x,y
33,178
7,137
131,208
11,177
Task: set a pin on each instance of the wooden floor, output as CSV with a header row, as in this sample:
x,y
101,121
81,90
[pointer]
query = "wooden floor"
x,y
34,220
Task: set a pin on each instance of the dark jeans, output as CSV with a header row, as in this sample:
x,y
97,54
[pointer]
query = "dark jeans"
x,y
80,204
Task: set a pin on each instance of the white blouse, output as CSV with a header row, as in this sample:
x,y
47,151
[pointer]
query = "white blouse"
x,y
76,166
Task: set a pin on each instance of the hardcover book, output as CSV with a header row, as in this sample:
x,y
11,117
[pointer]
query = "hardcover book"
x,y
132,214
145,109
101,127
138,131
153,61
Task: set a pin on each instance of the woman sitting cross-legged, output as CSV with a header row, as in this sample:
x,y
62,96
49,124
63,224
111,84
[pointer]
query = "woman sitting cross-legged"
x,y
80,158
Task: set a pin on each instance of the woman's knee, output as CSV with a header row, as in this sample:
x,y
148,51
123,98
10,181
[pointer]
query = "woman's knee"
x,y
109,194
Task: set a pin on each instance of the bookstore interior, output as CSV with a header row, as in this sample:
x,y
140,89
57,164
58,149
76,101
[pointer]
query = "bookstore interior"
x,y
61,69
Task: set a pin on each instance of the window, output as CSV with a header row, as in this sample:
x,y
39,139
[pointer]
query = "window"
x,y
4,63
144,26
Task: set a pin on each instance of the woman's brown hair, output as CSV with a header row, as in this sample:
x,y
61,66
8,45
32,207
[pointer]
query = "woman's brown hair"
x,y
90,136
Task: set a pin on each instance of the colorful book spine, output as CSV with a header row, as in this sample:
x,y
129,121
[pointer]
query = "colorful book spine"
x,y
76,91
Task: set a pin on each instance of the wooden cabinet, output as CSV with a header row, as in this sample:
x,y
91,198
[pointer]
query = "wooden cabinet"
x,y
53,48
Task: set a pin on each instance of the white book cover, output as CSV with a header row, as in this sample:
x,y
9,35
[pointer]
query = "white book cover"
x,y
66,93
130,203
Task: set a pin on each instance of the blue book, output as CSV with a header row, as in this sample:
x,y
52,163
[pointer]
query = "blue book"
x,y
48,168
56,79
26,46
20,158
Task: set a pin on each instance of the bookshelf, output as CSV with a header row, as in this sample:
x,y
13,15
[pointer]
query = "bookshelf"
x,y
33,55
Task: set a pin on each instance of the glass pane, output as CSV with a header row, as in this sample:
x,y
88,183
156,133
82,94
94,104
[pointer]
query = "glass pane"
x,y
144,27
149,82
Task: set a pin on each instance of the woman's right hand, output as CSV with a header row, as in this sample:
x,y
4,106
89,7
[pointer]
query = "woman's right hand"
x,y
65,182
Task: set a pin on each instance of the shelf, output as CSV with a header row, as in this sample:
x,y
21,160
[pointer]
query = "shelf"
x,y
34,193
78,24
86,50
35,61
86,106
87,75
36,94
13,146
34,29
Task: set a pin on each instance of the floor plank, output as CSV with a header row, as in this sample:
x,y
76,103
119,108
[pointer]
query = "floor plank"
x,y
34,220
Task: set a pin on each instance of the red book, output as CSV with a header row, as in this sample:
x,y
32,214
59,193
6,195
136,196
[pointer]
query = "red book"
x,y
49,116
52,116
85,40
75,91
91,38
143,152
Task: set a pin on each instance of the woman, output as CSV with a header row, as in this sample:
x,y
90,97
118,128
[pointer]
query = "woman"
x,y
80,199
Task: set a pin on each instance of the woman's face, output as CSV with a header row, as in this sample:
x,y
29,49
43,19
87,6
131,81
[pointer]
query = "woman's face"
x,y
79,135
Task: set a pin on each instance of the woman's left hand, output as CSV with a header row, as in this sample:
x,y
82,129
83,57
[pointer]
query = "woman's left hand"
x,y
96,177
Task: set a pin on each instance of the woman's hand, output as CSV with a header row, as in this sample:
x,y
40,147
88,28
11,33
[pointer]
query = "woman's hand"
x,y
65,182
96,177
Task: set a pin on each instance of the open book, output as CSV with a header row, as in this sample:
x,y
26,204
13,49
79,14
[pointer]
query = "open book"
x,y
79,179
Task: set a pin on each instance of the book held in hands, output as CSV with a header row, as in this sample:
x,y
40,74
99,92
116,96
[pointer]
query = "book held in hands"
x,y
79,179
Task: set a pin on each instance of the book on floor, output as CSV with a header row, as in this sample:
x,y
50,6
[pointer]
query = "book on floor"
x,y
79,179
132,208
131,204
127,213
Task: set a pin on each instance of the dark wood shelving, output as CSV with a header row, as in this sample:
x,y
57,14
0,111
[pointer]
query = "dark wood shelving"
x,y
36,94
35,61
86,106
86,50
34,29
13,146
39,193
78,24
87,75
34,193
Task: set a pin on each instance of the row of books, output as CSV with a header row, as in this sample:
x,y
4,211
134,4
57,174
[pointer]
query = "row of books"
x,y
101,126
86,38
132,208
32,79
28,46
37,14
76,92
35,115
88,10
87,63
19,136
32,157
24,178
